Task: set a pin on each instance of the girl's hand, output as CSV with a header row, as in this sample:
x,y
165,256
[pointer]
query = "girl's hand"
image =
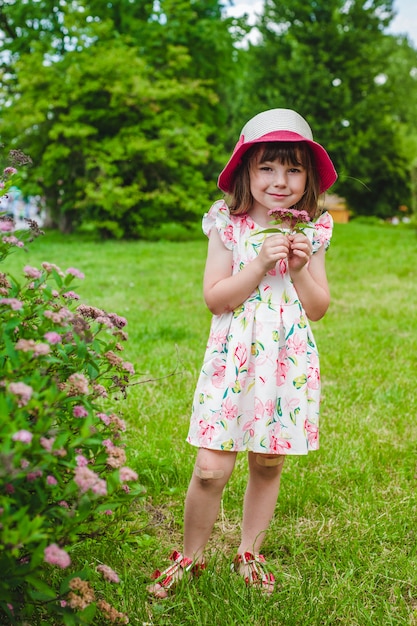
x,y
274,248
300,251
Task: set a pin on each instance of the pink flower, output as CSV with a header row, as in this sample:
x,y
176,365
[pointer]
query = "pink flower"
x,y
31,272
71,295
313,373
127,474
74,272
78,384
104,418
55,556
53,337
229,410
6,226
41,349
87,480
22,435
51,480
282,367
218,373
296,345
108,573
312,432
49,267
128,367
14,303
47,443
79,411
81,460
206,432
9,171
32,476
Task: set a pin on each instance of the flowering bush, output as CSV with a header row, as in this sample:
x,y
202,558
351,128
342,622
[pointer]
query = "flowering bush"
x,y
62,458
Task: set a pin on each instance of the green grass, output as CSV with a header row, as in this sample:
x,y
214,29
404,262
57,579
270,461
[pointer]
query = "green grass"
x,y
343,541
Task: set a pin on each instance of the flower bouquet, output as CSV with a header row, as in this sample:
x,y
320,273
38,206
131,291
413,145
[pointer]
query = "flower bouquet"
x,y
296,221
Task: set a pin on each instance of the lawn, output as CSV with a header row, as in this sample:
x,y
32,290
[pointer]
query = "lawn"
x,y
343,540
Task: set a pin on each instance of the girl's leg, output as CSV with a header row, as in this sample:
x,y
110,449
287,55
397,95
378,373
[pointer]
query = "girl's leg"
x,y
260,499
212,470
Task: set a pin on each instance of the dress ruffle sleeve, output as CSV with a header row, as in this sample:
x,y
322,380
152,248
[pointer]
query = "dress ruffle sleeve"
x,y
323,230
218,217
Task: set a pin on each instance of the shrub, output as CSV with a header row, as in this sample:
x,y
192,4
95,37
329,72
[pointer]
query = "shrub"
x,y
63,465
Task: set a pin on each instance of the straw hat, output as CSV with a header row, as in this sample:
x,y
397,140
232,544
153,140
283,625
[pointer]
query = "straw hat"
x,y
277,125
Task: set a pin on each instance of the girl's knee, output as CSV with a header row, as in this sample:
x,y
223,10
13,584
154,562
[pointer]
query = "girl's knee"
x,y
213,468
269,466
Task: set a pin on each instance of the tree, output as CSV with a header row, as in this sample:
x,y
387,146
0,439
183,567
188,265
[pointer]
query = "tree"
x,y
117,111
328,61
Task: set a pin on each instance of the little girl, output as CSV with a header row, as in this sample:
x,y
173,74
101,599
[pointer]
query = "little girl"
x,y
259,387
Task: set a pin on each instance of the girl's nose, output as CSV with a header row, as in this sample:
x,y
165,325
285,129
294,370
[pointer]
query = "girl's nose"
x,y
280,179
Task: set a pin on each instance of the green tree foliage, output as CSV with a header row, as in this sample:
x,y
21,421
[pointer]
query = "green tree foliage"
x,y
330,60
118,107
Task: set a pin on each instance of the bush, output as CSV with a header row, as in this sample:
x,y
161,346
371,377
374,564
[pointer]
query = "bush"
x,y
63,471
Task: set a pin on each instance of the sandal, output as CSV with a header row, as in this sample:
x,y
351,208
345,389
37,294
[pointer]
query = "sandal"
x,y
172,575
251,567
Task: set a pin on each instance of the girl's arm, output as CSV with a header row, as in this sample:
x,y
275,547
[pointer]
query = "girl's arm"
x,y
309,279
223,292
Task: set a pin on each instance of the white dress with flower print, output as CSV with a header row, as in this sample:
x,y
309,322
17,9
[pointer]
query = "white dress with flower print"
x,y
259,387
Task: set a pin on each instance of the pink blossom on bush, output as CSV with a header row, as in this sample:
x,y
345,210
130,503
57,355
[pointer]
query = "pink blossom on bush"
x,y
71,295
108,573
126,474
6,226
9,171
51,480
104,418
25,345
78,385
79,411
23,391
128,367
87,480
81,460
53,337
32,476
14,241
22,435
100,390
41,349
32,272
55,556
47,443
74,272
49,267
116,457
14,303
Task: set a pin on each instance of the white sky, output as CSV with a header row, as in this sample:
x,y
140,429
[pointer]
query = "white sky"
x,y
405,23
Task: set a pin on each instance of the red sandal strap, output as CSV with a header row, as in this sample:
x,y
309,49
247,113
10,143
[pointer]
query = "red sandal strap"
x,y
257,574
166,578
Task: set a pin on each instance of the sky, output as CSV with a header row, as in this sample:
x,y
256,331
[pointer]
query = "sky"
x,y
405,22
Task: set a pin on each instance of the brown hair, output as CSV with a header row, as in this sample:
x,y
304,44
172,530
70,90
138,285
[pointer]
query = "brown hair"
x,y
295,153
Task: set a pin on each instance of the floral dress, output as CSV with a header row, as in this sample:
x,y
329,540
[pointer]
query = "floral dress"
x,y
259,387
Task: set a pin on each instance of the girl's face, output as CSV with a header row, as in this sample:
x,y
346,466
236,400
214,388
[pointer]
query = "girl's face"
x,y
275,184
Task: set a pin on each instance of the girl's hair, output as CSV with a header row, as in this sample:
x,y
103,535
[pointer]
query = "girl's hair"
x,y
292,153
